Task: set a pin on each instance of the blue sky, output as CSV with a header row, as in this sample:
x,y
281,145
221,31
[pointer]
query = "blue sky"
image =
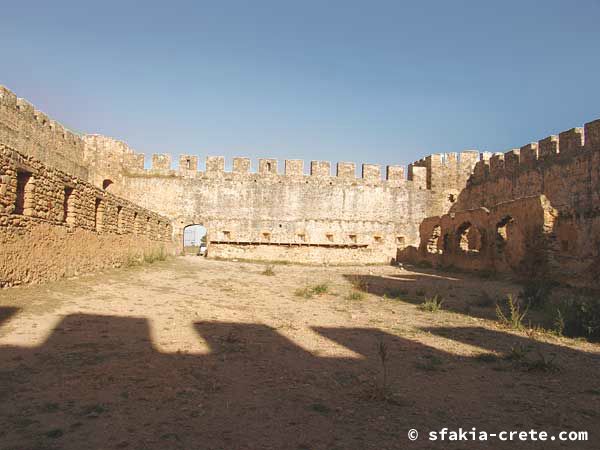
x,y
371,81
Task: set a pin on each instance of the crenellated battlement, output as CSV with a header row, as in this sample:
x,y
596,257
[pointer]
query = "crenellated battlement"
x,y
554,149
24,127
293,168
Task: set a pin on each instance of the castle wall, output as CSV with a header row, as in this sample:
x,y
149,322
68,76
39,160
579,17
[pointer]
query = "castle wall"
x,y
321,211
564,170
35,134
54,224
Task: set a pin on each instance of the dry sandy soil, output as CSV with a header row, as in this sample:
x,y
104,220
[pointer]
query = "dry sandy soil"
x,y
192,353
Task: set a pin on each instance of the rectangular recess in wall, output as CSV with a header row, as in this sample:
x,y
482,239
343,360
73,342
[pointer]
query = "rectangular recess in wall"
x,y
68,205
98,212
120,219
23,191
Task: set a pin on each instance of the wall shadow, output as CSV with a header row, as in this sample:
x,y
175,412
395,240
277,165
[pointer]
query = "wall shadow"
x,y
98,382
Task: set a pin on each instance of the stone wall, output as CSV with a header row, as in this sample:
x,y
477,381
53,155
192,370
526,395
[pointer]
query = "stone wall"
x,y
34,134
320,209
560,239
54,224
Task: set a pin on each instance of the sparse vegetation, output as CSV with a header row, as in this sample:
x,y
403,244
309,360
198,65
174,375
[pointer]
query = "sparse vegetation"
x,y
430,363
432,304
155,255
578,316
382,352
269,271
535,293
355,295
513,316
359,283
310,291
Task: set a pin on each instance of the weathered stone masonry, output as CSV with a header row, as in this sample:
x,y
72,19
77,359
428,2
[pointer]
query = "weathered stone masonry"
x,y
54,223
316,217
533,211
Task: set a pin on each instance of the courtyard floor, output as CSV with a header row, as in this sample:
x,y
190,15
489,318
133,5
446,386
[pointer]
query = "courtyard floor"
x,y
193,353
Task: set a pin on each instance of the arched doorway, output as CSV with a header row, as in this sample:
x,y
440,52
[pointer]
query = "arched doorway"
x,y
194,240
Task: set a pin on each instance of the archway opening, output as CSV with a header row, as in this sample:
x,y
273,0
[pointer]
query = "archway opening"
x,y
469,238
194,240
503,232
106,184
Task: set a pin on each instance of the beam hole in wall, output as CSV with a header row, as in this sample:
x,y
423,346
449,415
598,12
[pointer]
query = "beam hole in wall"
x,y
301,237
329,237
400,242
68,205
469,238
352,238
377,239
24,191
195,239
266,236
433,242
226,234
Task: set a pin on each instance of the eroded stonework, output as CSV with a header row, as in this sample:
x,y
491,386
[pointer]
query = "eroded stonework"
x,y
532,211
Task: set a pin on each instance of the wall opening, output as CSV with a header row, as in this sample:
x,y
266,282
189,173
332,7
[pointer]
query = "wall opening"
x,y
268,165
432,243
135,223
68,205
502,232
24,191
469,238
266,236
106,184
195,240
400,242
98,214
120,219
352,238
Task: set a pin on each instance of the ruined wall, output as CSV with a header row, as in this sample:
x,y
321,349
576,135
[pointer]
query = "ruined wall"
x,y
53,224
564,171
369,217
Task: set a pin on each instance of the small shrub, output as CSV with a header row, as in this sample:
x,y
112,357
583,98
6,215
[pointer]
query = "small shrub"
x,y
485,300
513,318
518,352
543,363
359,283
579,317
322,288
382,352
269,271
432,304
535,293
305,292
309,291
355,295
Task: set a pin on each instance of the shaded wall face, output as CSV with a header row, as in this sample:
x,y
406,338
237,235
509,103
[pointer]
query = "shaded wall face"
x,y
53,224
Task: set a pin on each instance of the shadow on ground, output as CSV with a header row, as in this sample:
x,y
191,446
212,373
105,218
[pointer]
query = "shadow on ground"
x,y
97,382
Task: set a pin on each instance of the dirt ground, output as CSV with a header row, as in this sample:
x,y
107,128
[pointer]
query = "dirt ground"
x,y
198,354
